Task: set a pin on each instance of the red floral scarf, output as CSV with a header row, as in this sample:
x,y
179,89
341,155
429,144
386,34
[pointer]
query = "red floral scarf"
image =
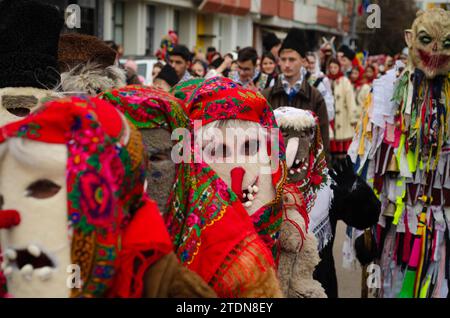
x,y
208,225
221,99
105,179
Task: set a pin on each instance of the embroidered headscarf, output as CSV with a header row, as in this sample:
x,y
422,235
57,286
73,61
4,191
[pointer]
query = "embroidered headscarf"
x,y
221,99
209,227
107,210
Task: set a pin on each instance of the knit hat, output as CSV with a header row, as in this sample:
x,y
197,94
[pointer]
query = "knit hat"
x,y
75,49
295,40
169,75
29,33
270,40
348,52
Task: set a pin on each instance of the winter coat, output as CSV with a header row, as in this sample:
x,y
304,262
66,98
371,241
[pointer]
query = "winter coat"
x,y
346,112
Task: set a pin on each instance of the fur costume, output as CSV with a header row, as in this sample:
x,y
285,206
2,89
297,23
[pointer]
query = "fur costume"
x,y
87,65
85,205
402,148
321,198
28,56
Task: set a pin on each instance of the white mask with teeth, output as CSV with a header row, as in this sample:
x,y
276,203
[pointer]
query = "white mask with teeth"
x,y
298,128
237,151
36,252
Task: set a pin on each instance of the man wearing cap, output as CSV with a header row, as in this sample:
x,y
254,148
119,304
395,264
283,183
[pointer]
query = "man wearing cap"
x,y
291,88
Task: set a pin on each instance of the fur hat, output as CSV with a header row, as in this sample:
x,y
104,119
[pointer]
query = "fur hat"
x,y
348,52
298,119
29,33
169,75
76,49
295,40
270,40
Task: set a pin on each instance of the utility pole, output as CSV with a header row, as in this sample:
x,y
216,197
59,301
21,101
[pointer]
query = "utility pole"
x,y
352,35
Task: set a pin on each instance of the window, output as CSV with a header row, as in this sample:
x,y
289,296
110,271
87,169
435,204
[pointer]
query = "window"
x,y
118,19
176,21
150,30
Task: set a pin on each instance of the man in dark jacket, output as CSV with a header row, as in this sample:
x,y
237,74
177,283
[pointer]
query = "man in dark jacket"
x,y
291,87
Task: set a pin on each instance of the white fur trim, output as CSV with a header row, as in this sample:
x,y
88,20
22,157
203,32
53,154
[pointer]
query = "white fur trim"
x,y
290,117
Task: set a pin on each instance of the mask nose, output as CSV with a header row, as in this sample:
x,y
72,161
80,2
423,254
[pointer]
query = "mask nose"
x,y
237,176
9,218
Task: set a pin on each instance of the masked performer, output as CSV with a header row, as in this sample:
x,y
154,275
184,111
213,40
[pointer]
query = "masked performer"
x,y
402,146
327,196
72,189
28,56
211,231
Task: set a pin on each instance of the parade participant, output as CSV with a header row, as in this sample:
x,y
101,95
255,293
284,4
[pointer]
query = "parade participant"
x,y
247,74
271,44
83,209
28,56
268,74
361,90
168,42
402,148
250,166
156,114
166,78
291,89
199,68
326,52
319,80
346,114
87,65
210,229
328,196
180,59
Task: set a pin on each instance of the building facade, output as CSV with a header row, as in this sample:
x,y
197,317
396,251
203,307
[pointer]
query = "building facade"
x,y
139,25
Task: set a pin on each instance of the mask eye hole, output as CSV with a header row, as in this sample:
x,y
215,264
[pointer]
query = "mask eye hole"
x,y
157,157
425,39
1,202
42,189
250,147
447,44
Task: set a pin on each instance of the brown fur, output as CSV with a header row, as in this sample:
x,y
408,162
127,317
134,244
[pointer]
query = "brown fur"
x,y
298,259
167,278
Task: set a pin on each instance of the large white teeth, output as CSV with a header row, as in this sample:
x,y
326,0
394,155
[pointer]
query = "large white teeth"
x,y
250,197
244,195
11,254
297,161
27,271
250,189
8,271
44,273
248,204
34,250
299,170
255,189
291,171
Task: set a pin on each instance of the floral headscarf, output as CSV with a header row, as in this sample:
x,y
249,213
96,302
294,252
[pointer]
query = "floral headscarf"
x,y
107,209
222,99
209,227
185,90
148,107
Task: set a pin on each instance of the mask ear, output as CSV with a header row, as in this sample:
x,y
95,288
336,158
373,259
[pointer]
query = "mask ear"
x,y
408,37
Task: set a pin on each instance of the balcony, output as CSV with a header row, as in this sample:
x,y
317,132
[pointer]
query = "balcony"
x,y
236,7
